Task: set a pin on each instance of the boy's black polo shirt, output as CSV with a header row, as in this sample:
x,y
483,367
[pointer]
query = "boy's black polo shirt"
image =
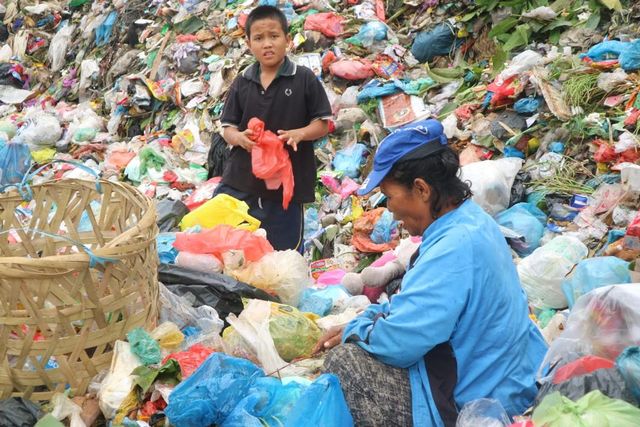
x,y
294,99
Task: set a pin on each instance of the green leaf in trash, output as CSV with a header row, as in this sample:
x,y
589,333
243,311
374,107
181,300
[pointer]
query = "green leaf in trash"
x,y
169,373
189,26
556,24
504,26
448,108
612,4
520,37
554,36
592,22
499,59
76,3
469,16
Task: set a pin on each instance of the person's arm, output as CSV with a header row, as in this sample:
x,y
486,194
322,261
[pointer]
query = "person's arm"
x,y
425,313
313,131
238,139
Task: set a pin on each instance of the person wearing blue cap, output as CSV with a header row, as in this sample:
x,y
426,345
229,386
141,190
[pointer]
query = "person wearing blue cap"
x,y
459,328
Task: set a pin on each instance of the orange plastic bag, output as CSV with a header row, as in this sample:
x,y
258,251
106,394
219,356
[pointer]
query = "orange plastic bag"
x,y
270,161
362,229
224,238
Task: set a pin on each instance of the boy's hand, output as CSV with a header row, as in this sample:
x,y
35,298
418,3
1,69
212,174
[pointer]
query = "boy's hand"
x,y
242,140
292,137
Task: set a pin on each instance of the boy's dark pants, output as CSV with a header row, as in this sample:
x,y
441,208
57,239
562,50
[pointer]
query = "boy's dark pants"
x,y
284,227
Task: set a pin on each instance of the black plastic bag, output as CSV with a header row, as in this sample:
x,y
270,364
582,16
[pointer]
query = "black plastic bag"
x,y
19,412
170,213
609,381
222,293
518,190
218,155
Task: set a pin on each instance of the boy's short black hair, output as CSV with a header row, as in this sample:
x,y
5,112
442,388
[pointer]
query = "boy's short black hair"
x,y
266,12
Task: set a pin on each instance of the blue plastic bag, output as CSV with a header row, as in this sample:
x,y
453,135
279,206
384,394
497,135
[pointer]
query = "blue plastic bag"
x,y
267,404
103,32
348,160
311,224
606,50
322,405
630,57
526,220
15,161
213,392
593,273
374,30
378,91
440,41
314,302
166,252
526,105
382,230
628,364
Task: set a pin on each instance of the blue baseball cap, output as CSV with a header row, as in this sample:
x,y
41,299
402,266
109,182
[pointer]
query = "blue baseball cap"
x,y
411,142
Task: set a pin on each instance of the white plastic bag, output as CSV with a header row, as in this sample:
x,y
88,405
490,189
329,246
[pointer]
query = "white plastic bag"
x,y
491,182
43,132
201,262
117,385
58,47
284,272
542,272
608,81
483,413
63,408
602,323
521,64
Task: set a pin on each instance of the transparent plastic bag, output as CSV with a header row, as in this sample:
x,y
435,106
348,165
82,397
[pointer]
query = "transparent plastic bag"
x,y
491,182
179,311
592,273
322,405
15,161
542,272
483,412
593,410
201,262
59,47
284,273
267,326
118,382
602,323
526,220
168,335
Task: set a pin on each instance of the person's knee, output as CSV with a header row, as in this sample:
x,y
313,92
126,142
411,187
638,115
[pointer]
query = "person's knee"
x,y
340,357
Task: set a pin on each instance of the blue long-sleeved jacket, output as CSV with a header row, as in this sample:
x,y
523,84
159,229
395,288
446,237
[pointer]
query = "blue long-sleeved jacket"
x,y
463,290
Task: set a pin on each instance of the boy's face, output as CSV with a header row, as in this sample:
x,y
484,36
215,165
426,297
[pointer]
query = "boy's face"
x,y
268,42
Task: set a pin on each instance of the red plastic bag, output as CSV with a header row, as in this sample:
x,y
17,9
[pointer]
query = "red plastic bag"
x,y
352,70
224,238
502,93
270,161
203,194
362,229
190,360
582,366
328,24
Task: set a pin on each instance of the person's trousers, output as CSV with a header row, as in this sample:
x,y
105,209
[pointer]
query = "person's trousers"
x,y
378,395
284,227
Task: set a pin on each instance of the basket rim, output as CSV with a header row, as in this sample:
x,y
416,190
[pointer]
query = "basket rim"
x,y
125,244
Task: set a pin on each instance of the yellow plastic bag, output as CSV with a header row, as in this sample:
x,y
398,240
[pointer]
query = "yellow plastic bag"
x,y
222,209
43,155
168,335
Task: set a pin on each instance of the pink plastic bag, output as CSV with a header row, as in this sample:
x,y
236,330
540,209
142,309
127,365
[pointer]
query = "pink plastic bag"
x,y
270,161
224,238
328,24
352,70
331,277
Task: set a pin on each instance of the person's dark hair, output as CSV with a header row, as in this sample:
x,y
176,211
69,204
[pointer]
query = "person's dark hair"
x,y
441,171
266,12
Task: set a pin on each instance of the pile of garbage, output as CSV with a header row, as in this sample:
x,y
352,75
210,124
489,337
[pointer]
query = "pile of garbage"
x,y
540,99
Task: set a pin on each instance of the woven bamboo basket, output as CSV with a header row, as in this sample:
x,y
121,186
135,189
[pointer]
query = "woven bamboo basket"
x,y
74,278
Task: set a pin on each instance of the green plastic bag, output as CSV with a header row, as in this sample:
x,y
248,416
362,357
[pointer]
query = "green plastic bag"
x,y
593,410
144,347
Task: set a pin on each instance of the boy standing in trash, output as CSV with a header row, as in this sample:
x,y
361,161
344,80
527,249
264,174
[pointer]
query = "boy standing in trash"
x,y
292,103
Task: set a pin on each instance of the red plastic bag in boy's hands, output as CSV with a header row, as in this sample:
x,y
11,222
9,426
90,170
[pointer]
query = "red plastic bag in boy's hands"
x,y
190,360
224,238
270,160
328,24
